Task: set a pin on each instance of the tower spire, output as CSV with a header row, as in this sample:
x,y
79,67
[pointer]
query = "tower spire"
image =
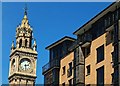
x,y
34,45
25,9
12,47
25,22
21,63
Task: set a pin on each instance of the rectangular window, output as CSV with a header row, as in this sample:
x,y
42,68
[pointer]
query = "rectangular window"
x,y
116,76
63,84
111,32
112,78
115,15
87,51
69,71
88,85
70,82
100,53
88,70
70,67
116,32
63,70
100,76
119,13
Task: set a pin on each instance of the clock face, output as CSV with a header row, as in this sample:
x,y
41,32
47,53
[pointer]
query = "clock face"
x,y
25,64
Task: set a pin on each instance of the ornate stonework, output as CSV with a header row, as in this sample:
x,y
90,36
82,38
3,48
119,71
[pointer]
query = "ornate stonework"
x,y
23,56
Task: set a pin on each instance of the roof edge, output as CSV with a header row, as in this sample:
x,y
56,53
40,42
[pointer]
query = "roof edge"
x,y
60,40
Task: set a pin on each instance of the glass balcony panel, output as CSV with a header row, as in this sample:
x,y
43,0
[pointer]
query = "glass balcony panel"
x,y
51,64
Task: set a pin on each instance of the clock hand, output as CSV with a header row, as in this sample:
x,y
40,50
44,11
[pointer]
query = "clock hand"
x,y
25,66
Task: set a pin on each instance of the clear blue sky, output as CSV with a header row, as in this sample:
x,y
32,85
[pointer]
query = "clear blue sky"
x,y
50,21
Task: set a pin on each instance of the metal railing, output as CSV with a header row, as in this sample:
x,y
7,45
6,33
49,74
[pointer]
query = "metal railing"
x,y
51,64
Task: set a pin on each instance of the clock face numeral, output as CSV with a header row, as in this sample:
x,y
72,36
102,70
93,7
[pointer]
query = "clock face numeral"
x,y
25,64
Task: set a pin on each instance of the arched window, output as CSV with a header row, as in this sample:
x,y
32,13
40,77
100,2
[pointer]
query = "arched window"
x,y
20,43
13,63
25,42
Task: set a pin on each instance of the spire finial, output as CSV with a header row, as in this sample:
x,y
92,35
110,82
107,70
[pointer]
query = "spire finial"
x,y
34,42
34,45
25,9
12,47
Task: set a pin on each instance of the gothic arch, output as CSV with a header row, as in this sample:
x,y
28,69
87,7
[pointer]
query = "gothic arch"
x,y
26,42
20,43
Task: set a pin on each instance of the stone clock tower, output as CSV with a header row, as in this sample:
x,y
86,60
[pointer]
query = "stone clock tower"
x,y
23,56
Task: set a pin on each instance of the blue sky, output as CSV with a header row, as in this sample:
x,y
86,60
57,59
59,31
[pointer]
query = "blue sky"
x,y
50,22
1,44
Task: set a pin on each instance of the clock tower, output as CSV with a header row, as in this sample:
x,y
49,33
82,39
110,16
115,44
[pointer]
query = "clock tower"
x,y
23,56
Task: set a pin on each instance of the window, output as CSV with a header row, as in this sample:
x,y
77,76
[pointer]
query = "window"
x,y
115,54
112,78
25,42
69,71
20,43
116,32
63,84
100,76
119,13
70,67
88,85
63,70
88,70
87,51
116,76
70,82
115,15
111,32
100,53
108,20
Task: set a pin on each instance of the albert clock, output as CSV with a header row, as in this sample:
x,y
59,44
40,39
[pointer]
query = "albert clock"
x,y
23,56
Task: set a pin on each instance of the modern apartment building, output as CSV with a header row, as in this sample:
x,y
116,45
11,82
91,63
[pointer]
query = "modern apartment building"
x,y
95,55
98,41
58,51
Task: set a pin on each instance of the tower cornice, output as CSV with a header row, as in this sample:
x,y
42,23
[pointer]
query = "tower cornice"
x,y
22,75
23,50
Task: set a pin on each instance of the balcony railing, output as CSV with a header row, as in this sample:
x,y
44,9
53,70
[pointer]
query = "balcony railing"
x,y
51,64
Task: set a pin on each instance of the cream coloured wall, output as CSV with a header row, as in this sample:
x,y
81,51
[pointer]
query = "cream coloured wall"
x,y
65,62
92,61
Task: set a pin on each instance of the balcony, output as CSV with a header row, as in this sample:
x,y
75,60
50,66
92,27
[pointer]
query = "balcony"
x,y
52,64
86,40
